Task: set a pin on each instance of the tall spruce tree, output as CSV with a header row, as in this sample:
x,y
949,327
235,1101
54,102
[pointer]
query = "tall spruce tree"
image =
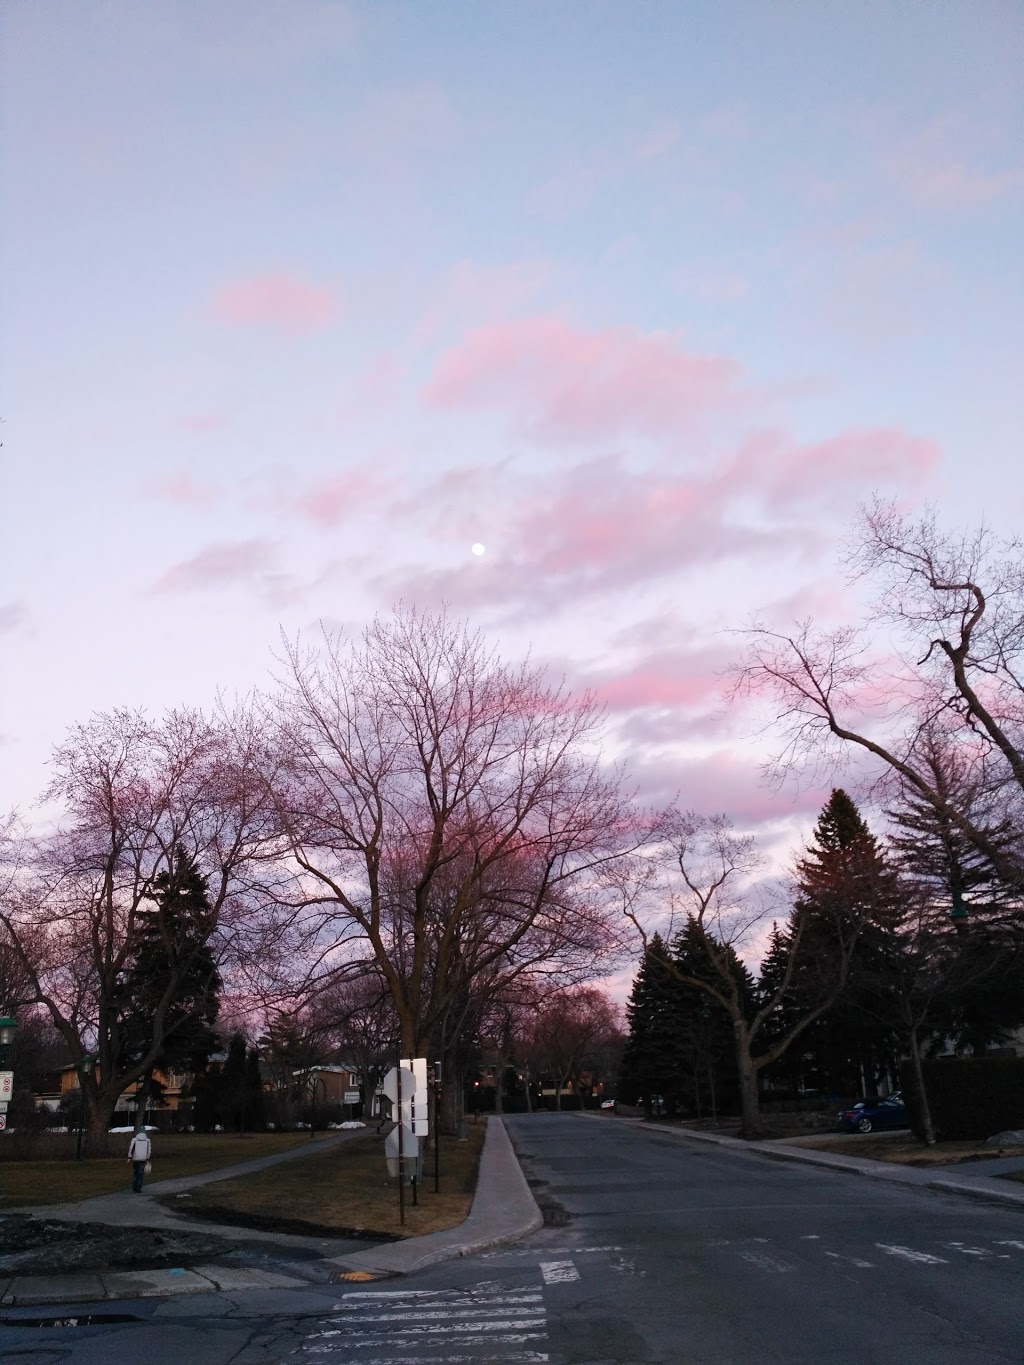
x,y
965,937
173,972
706,1039
846,887
652,1063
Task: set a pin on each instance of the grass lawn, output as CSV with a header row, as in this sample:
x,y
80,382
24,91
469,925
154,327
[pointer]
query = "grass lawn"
x,y
904,1149
346,1190
174,1154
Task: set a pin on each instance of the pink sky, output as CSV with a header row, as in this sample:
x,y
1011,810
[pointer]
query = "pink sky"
x,y
305,301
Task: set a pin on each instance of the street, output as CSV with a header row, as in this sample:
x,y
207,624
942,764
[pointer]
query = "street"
x,y
655,1249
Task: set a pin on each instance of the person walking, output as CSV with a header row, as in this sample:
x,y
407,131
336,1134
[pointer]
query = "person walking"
x,y
140,1149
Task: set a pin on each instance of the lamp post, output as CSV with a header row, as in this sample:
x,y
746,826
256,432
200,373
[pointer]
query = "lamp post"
x,y
314,1080
8,1028
88,1060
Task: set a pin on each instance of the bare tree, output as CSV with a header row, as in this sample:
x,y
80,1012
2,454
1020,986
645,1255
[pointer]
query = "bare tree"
x,y
568,1033
447,816
134,793
952,664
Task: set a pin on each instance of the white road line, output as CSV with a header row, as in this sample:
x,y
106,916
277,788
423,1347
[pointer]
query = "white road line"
x,y
967,1251
521,1357
526,1296
1017,1246
545,1251
511,1338
765,1262
854,1260
421,1309
906,1254
558,1272
459,1315
810,1237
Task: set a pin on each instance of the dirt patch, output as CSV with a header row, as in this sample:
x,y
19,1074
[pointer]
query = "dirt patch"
x,y
296,1227
904,1149
39,1246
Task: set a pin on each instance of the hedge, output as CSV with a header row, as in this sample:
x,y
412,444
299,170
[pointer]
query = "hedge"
x,y
971,1098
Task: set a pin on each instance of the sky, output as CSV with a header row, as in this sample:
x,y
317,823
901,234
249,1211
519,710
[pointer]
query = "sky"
x,y
304,301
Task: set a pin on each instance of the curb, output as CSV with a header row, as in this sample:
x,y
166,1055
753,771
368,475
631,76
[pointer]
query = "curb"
x,y
503,1210
849,1165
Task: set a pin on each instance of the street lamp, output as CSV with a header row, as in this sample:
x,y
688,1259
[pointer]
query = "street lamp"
x,y
8,1028
314,1080
88,1060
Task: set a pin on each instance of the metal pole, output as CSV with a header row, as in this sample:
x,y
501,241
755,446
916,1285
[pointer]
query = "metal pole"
x,y
437,1135
401,1150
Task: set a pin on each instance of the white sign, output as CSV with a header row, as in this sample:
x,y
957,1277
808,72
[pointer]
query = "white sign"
x,y
3,1122
390,1086
3,1106
351,1097
418,1109
410,1147
6,1084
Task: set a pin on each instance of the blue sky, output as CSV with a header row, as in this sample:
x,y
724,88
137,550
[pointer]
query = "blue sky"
x,y
302,300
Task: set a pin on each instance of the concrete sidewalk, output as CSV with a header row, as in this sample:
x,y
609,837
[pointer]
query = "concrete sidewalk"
x,y
503,1210
965,1182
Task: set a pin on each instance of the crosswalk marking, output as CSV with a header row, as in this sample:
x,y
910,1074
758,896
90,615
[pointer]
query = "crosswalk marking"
x,y
854,1260
908,1254
433,1327
558,1272
765,1262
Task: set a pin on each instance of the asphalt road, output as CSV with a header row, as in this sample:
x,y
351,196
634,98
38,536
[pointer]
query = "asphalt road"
x,y
656,1250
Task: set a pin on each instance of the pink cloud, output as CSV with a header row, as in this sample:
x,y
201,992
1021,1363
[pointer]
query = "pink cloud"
x,y
278,302
682,678
219,564
337,499
183,488
561,382
942,167
471,291
213,419
13,616
787,474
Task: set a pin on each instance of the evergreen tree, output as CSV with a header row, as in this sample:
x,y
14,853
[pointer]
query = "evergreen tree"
x,y
706,1040
234,1091
651,1060
847,890
965,939
173,970
254,1091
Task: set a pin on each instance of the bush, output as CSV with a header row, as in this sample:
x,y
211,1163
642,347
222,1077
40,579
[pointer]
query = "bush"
x,y
971,1098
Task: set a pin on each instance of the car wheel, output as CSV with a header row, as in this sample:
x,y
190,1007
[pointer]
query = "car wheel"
x,y
864,1126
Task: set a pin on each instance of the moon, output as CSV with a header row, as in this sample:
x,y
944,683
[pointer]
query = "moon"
x,y
478,549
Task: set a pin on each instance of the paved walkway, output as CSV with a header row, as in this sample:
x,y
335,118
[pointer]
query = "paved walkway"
x,y
125,1209
503,1210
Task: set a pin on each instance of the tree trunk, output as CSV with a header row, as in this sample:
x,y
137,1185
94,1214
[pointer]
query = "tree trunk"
x,y
529,1097
751,1124
927,1127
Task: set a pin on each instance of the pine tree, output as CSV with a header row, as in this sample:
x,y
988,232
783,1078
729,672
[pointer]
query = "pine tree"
x,y
651,1060
234,1092
255,1111
847,891
706,1040
172,970
966,937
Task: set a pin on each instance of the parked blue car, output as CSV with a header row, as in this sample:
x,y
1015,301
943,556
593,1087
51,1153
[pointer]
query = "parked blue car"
x,y
867,1116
